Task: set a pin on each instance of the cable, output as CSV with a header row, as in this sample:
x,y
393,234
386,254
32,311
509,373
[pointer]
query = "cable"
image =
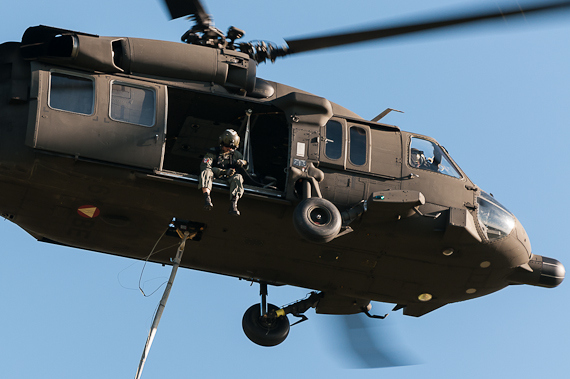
x,y
152,252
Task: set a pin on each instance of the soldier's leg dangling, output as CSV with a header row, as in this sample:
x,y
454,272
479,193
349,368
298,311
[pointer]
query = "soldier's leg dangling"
x,y
236,191
206,177
208,202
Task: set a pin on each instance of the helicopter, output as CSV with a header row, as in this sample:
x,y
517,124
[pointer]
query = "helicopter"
x,y
422,146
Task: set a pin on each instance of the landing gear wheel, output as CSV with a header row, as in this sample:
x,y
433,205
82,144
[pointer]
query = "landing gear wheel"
x,y
317,220
264,331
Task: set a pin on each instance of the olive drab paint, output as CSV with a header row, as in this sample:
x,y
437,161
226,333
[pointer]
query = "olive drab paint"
x,y
101,144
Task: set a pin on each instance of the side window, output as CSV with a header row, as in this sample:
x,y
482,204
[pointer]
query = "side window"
x,y
134,105
427,155
357,145
333,149
71,93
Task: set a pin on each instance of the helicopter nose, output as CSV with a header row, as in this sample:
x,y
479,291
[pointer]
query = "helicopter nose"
x,y
546,272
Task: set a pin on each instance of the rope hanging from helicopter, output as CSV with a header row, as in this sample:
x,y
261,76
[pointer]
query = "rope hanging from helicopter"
x,y
152,252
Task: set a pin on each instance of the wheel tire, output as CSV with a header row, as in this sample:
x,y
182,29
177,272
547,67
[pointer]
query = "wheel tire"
x,y
261,331
317,220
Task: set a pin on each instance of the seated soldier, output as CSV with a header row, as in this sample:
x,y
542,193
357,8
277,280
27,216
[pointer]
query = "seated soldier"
x,y
221,163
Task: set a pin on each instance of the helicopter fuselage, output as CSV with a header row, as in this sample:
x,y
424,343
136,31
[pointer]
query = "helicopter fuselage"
x,y
101,140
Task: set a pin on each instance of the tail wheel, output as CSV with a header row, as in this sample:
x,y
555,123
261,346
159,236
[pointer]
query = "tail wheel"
x,y
317,220
262,330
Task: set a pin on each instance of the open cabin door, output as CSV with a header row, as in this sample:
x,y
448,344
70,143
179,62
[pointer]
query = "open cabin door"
x,y
196,120
99,117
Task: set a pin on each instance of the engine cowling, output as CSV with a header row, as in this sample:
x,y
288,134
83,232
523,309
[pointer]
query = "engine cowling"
x,y
176,60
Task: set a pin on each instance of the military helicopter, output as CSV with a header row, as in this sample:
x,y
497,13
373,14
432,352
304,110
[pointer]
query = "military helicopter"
x,y
408,184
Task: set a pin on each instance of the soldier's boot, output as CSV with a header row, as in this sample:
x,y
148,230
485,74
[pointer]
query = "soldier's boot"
x,y
207,202
233,206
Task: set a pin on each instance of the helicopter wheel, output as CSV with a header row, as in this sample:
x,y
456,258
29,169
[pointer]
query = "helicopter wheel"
x,y
264,331
317,220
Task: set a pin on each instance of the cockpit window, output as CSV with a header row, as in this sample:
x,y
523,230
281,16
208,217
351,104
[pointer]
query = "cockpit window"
x,y
495,220
427,155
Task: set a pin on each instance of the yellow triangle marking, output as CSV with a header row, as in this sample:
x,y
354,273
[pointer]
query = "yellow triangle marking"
x,y
89,212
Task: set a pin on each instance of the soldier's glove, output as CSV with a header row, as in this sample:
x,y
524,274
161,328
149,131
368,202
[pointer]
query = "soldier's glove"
x,y
241,162
231,171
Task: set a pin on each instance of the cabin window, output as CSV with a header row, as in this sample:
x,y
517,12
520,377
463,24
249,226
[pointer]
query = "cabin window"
x,y
333,141
427,155
357,145
134,105
72,93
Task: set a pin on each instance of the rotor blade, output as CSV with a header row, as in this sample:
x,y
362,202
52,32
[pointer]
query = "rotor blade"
x,y
315,43
366,346
193,8
360,342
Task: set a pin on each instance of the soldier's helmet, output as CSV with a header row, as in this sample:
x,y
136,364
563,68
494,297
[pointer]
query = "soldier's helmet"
x,y
417,158
229,138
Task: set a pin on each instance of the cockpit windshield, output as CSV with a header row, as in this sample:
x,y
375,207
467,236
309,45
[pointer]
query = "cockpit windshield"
x,y
495,220
427,155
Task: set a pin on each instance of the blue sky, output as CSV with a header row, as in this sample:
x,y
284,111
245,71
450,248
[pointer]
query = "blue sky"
x,y
496,96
